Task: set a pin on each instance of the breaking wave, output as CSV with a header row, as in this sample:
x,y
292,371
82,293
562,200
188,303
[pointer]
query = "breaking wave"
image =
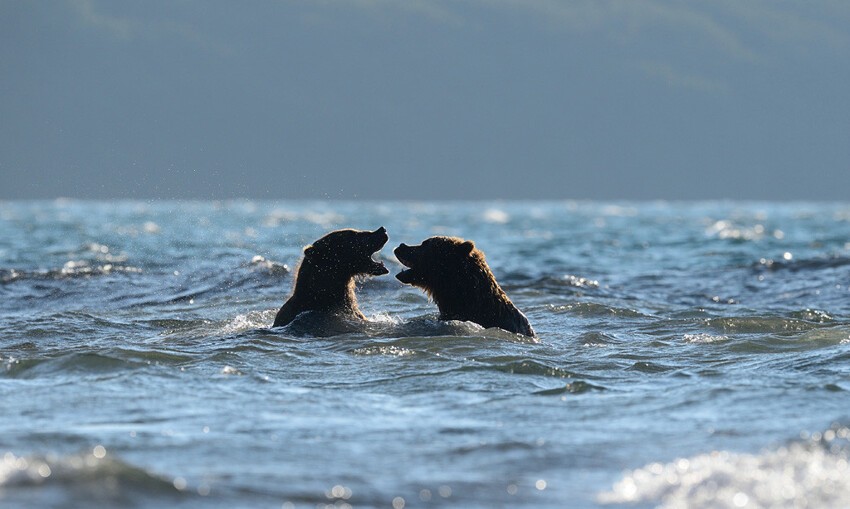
x,y
808,473
95,478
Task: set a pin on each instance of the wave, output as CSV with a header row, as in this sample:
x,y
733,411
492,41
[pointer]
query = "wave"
x,y
85,479
522,367
254,276
314,324
90,259
810,264
810,472
52,324
71,270
595,309
774,334
83,361
429,326
728,229
525,284
577,387
703,338
759,324
151,286
259,263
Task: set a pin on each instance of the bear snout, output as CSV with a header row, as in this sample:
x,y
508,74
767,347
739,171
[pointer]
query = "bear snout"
x,y
378,238
404,253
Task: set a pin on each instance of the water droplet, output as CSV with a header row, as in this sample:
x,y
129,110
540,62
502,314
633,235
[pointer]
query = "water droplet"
x,y
180,483
740,499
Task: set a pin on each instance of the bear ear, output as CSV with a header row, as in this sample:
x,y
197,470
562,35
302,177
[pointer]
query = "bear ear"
x,y
309,251
467,246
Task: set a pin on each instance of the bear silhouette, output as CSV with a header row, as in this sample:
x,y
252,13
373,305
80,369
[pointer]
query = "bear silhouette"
x,y
454,273
325,278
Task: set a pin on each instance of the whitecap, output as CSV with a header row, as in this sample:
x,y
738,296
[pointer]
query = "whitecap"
x,y
809,473
384,318
249,321
496,216
275,268
703,338
385,350
230,370
151,227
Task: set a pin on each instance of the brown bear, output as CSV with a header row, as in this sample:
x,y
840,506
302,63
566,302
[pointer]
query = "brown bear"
x,y
455,274
325,278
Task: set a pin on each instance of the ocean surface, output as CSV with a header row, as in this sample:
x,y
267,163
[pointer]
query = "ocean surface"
x,y
690,355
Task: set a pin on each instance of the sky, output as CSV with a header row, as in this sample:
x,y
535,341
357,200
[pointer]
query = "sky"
x,y
425,99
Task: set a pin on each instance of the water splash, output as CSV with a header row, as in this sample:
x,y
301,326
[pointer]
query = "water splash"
x,y
809,473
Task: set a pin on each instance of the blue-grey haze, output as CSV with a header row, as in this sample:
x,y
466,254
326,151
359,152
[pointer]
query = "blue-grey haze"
x,y
425,99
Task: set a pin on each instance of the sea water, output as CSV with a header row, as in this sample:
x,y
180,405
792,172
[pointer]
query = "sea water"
x,y
689,355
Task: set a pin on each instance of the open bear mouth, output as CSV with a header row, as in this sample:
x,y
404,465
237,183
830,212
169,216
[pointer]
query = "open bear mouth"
x,y
403,254
376,267
409,275
404,261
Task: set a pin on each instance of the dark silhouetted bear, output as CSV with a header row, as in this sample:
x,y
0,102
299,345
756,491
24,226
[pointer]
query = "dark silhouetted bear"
x,y
454,273
325,278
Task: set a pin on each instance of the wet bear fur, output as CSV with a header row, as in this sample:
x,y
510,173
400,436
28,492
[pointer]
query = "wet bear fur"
x,y
454,273
325,278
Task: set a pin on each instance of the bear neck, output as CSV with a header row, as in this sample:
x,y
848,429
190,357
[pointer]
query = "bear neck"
x,y
474,296
318,288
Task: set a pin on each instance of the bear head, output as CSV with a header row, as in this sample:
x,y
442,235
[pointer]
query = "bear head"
x,y
437,263
454,273
348,253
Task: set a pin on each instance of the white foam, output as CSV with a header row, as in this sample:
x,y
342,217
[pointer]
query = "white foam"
x,y
230,370
497,216
384,318
261,263
250,321
703,338
804,474
151,227
386,350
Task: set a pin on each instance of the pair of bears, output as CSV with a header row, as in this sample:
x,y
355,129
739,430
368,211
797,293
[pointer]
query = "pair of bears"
x,y
449,269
